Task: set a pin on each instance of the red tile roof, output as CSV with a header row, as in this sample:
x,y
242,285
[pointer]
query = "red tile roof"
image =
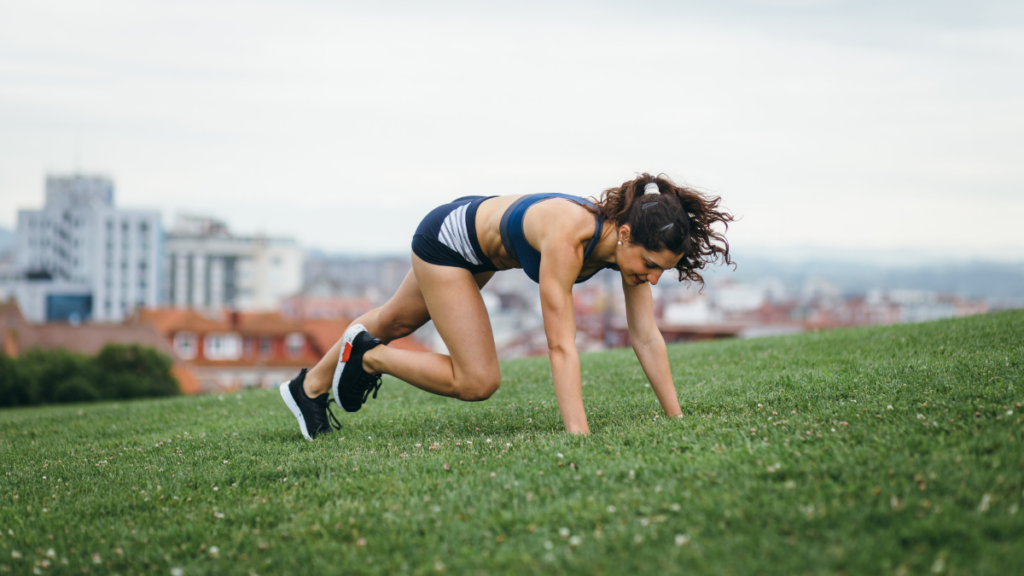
x,y
167,321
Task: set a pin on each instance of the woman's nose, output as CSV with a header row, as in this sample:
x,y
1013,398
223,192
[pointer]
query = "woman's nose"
x,y
654,276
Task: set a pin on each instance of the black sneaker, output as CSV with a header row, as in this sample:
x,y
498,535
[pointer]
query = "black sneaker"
x,y
314,414
352,384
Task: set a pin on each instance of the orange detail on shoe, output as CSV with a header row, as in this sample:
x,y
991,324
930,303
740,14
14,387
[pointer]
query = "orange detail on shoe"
x,y
347,352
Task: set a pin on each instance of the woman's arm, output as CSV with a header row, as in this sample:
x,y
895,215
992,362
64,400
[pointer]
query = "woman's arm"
x,y
556,279
560,230
649,345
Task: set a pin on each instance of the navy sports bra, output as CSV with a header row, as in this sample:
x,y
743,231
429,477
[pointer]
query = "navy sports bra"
x,y
514,240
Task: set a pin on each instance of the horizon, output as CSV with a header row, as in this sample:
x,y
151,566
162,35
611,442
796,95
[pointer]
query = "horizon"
x,y
794,255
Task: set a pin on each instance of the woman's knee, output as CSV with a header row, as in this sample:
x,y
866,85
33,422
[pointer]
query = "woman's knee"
x,y
476,387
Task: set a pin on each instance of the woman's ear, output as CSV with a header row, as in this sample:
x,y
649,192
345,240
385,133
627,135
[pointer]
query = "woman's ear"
x,y
624,233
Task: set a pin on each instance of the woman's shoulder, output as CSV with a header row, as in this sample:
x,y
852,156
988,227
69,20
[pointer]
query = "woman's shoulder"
x,y
563,217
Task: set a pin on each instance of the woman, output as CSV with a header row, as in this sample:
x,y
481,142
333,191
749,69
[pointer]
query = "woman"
x,y
641,228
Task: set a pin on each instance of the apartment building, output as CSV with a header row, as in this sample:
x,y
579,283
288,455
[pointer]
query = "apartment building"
x,y
210,269
81,258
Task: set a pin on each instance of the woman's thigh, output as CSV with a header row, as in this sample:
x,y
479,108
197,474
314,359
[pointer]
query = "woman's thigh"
x,y
453,300
406,310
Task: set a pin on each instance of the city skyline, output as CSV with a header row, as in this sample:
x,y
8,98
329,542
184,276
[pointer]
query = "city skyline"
x,y
826,125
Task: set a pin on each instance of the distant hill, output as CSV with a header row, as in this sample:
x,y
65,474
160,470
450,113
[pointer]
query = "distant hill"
x,y
972,279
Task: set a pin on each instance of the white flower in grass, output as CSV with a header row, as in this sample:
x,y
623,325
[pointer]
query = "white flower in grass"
x,y
214,552
638,538
575,541
96,559
682,540
610,509
177,571
563,532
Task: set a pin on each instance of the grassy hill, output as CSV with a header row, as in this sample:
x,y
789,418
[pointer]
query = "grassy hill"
x,y
885,450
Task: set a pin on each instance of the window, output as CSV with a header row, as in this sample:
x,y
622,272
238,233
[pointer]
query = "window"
x,y
222,347
266,346
294,343
184,345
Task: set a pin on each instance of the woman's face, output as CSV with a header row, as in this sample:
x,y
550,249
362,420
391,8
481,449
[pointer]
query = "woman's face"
x,y
639,265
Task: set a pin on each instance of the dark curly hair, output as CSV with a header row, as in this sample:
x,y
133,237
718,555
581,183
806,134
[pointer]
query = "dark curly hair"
x,y
679,219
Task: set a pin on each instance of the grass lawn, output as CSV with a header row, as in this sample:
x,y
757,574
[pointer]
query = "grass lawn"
x,y
883,450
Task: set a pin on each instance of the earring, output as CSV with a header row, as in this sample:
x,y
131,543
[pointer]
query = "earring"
x,y
620,242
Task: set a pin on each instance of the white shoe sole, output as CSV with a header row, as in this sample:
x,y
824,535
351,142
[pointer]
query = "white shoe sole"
x,y
286,395
346,343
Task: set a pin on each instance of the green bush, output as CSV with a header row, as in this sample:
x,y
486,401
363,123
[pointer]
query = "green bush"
x,y
132,371
75,389
43,371
54,376
11,386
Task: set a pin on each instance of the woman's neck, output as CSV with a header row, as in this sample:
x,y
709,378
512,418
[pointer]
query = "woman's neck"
x,y
605,251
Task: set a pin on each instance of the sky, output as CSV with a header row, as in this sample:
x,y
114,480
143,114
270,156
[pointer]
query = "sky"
x,y
828,127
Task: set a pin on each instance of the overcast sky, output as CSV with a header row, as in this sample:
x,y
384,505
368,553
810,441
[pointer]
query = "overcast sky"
x,y
853,127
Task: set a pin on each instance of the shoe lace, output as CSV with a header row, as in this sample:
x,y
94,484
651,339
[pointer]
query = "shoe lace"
x,y
332,420
373,383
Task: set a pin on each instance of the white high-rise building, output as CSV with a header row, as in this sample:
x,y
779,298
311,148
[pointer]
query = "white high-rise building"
x,y
209,269
82,258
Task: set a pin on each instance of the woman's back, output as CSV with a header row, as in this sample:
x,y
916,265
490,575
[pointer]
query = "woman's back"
x,y
537,221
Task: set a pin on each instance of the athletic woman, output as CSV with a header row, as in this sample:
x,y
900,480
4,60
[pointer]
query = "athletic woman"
x,y
642,228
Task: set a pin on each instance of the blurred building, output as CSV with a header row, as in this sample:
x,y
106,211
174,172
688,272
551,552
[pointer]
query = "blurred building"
x,y
208,268
80,258
325,299
375,278
241,350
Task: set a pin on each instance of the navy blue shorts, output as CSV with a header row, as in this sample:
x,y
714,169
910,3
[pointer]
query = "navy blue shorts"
x,y
447,236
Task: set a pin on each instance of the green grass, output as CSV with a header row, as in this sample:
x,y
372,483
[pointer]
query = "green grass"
x,y
884,450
